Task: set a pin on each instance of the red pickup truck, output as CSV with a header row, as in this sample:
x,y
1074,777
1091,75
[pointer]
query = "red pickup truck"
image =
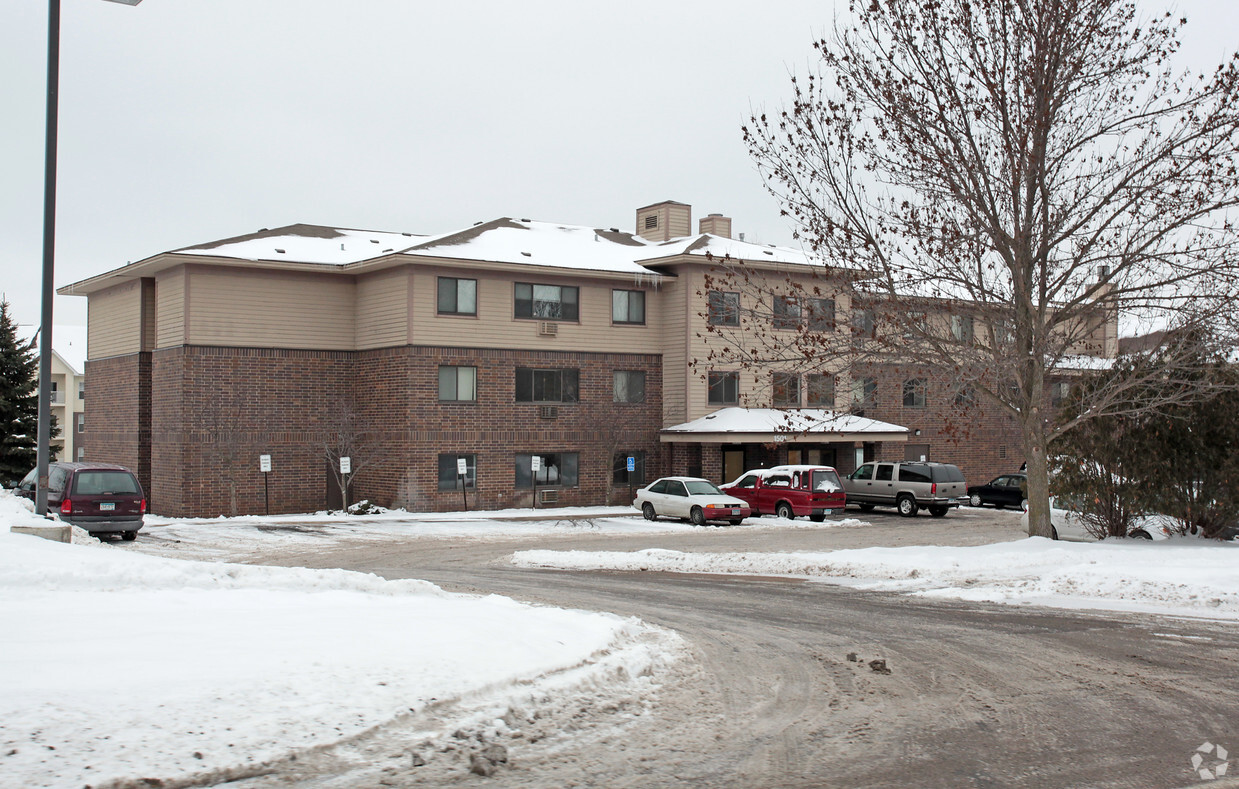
x,y
790,491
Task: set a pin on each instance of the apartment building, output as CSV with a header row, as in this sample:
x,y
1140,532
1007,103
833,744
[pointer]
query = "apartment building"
x,y
541,357
68,388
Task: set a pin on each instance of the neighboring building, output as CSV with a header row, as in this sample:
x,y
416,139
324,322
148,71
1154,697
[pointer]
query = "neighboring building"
x,y
68,388
510,343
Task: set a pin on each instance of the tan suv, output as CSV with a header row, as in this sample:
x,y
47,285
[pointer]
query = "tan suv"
x,y
907,486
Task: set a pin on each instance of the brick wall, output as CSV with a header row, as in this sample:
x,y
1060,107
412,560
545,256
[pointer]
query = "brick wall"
x,y
982,440
117,414
215,410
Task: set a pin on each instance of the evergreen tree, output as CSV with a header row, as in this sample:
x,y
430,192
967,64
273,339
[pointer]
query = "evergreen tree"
x,y
19,401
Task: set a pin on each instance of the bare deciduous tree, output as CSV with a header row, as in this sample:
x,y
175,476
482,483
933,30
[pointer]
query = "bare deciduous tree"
x,y
346,435
1033,169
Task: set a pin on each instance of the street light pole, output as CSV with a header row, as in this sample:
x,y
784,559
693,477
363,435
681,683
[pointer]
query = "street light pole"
x,y
49,251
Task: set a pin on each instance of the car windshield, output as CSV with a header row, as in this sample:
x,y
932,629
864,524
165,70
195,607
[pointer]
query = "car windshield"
x,y
826,481
699,487
95,483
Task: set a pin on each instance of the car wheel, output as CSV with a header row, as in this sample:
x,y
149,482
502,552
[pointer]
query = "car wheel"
x,y
938,512
784,510
736,521
865,507
697,516
1053,533
817,518
647,510
1141,534
906,506
129,536
975,499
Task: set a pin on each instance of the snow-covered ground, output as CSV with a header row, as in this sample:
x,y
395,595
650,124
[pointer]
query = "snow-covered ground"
x,y
118,665
1182,576
132,660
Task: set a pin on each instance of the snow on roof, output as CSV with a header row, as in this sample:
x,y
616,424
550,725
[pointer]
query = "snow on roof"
x,y
505,240
68,342
307,244
532,243
1085,363
791,422
719,247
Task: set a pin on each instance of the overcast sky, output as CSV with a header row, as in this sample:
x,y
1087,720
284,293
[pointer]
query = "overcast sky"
x,y
185,121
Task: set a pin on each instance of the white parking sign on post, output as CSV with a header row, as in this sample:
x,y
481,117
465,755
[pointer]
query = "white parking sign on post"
x,y
346,465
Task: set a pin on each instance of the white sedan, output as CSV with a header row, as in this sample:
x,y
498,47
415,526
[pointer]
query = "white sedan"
x,y
1068,525
690,498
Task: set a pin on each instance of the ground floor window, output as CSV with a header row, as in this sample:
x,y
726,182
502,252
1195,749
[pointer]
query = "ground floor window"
x,y
449,471
621,475
557,468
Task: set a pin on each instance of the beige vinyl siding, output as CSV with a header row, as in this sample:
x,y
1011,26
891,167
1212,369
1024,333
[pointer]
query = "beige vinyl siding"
x,y
755,384
495,325
679,221
114,318
383,309
170,308
148,314
673,305
268,309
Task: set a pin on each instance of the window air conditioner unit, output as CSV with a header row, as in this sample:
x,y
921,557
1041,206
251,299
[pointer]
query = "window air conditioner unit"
x,y
548,328
548,496
548,411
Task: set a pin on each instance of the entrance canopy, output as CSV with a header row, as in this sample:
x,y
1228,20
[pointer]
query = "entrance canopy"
x,y
792,426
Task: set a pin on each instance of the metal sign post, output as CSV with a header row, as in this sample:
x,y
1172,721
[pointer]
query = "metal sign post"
x,y
264,465
462,470
632,465
535,463
346,468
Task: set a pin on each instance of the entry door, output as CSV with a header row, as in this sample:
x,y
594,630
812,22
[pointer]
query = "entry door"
x,y
733,464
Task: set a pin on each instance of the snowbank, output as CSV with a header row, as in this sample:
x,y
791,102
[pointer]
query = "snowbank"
x,y
1185,576
118,665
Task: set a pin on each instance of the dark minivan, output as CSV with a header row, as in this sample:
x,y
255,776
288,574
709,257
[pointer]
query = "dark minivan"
x,y
99,497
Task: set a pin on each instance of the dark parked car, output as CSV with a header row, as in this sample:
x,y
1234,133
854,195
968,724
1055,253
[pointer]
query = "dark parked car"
x,y
1006,490
99,497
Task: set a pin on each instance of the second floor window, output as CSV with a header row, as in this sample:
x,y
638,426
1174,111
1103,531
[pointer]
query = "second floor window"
x,y
458,296
547,386
962,328
864,324
629,386
820,390
786,390
547,302
628,306
724,308
81,423
914,393
81,390
864,393
458,383
820,314
724,388
786,312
